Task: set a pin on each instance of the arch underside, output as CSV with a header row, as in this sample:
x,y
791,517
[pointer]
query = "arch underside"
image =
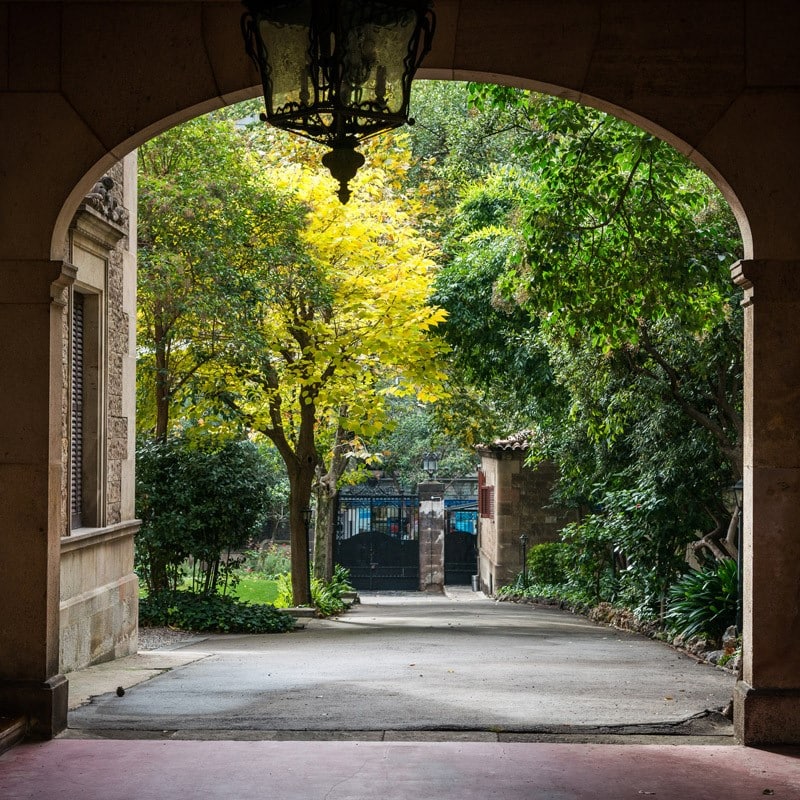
x,y
678,74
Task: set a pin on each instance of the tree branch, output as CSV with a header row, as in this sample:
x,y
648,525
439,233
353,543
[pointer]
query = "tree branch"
x,y
730,449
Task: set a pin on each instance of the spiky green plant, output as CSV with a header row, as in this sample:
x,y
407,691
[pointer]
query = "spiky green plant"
x,y
704,602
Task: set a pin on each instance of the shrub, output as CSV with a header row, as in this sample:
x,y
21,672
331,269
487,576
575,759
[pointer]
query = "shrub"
x,y
589,556
519,588
200,612
341,580
284,598
197,501
704,602
269,561
546,563
327,598
544,592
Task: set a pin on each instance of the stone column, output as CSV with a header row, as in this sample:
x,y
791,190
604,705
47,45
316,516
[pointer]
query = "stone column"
x,y
33,300
767,698
431,536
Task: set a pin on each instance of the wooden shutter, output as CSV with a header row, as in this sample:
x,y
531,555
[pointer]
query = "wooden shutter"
x,y
76,425
485,497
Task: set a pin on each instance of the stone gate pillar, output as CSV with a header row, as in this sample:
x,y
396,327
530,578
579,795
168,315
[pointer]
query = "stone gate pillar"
x,y
431,536
767,698
33,301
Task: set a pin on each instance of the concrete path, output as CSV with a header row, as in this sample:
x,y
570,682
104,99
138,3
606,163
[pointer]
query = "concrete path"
x,y
403,663
479,676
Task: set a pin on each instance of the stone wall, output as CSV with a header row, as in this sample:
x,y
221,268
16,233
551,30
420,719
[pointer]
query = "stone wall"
x,y
99,596
99,590
522,505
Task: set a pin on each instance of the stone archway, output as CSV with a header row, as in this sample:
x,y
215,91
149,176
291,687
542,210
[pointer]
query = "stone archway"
x,y
82,84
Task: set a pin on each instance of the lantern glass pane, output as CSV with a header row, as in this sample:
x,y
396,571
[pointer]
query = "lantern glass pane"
x,y
284,31
375,38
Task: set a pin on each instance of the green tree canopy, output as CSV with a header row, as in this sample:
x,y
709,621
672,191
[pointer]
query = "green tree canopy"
x,y
588,295
198,198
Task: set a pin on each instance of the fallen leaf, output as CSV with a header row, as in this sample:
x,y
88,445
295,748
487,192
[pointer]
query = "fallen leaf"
x,y
669,698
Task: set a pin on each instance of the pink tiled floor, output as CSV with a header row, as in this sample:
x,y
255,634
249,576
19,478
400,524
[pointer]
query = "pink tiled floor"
x,y
235,770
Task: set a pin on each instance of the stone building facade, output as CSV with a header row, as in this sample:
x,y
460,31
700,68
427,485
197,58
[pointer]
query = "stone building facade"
x,y
99,590
513,499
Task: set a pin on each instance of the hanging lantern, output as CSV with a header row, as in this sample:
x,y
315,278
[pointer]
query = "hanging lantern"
x,y
338,71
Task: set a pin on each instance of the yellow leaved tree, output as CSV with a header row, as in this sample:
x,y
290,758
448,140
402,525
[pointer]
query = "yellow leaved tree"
x,y
340,325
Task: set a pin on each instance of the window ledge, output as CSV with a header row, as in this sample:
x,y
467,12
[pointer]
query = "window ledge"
x,y
92,537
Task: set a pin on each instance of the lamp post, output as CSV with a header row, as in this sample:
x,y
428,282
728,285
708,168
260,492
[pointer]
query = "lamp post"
x,y
430,463
375,476
738,496
307,523
523,540
338,71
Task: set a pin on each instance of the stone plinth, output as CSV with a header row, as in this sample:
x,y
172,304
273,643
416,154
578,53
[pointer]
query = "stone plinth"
x,y
431,537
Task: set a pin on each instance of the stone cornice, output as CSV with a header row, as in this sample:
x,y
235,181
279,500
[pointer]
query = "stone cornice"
x,y
92,537
94,226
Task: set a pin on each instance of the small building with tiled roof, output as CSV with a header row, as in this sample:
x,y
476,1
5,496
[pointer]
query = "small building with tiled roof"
x,y
513,499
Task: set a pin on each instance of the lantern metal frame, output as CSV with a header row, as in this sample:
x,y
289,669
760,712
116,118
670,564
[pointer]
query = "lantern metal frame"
x,y
332,108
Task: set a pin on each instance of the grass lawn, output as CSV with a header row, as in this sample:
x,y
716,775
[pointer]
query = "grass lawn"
x,y
250,588
256,590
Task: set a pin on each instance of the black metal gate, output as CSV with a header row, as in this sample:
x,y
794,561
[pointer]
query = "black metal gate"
x,y
460,544
376,539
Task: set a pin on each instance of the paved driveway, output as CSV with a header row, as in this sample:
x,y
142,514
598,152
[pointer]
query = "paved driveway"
x,y
402,662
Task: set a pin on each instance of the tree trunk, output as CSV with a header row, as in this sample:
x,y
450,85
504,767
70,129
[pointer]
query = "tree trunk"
x,y
299,498
325,530
327,494
732,543
162,382
158,576
301,462
301,480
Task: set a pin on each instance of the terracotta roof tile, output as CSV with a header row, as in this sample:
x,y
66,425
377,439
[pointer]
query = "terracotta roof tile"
x,y
517,441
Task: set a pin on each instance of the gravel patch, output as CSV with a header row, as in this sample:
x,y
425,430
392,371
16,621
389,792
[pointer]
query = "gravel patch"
x,y
166,638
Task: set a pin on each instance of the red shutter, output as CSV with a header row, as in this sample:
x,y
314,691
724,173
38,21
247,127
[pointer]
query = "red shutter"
x,y
485,497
